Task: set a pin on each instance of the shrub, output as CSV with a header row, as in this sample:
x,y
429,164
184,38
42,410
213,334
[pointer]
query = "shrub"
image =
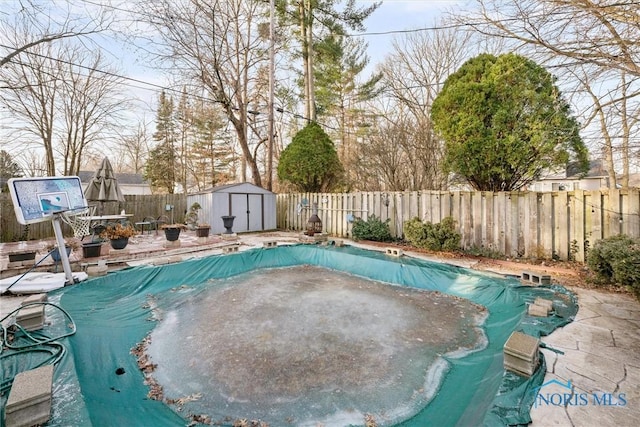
x,y
616,260
310,162
484,252
372,229
415,232
435,237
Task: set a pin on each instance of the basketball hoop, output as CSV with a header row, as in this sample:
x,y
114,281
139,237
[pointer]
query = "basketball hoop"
x,y
55,199
79,220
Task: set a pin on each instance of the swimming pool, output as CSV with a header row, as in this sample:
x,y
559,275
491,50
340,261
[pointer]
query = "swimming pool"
x,y
102,383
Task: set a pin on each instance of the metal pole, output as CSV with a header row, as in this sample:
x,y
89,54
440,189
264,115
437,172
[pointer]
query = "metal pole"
x,y
66,266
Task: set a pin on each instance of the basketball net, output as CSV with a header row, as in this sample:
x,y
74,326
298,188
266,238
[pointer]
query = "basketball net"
x,y
79,220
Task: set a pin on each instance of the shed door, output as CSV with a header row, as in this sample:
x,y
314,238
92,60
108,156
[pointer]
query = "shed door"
x,y
247,209
255,212
239,208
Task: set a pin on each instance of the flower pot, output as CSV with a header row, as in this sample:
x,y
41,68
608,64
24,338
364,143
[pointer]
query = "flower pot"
x,y
172,233
203,231
91,250
227,221
55,255
120,243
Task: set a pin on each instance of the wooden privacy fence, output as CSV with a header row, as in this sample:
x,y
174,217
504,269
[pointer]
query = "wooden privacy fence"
x,y
559,224
529,224
140,206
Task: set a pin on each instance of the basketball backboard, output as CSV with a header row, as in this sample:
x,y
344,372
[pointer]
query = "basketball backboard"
x,y
36,199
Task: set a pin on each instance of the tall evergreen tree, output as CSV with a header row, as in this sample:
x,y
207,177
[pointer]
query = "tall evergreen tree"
x,y
8,169
160,169
339,93
212,159
319,17
184,122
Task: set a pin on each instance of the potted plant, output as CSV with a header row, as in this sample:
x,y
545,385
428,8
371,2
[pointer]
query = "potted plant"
x,y
202,230
118,234
191,218
172,231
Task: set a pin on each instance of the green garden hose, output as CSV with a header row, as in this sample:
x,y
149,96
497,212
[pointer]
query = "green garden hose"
x,y
31,342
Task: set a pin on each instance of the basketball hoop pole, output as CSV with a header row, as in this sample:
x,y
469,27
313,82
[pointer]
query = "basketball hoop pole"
x,y
64,258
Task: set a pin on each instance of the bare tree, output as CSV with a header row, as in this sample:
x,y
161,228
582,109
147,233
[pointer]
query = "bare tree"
x,y
399,154
36,19
89,105
33,164
34,36
420,63
133,150
413,74
603,33
30,93
218,45
383,161
65,103
612,113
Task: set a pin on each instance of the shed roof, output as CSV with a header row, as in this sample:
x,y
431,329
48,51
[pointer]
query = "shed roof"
x,y
239,187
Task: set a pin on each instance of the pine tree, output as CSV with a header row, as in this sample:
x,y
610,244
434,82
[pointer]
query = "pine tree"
x,y
8,169
313,17
160,169
212,156
339,94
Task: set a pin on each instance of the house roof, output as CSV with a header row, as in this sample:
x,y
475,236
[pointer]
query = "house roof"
x,y
596,170
572,172
123,178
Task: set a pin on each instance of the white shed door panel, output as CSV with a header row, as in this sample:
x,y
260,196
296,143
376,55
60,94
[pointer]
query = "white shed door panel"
x,y
239,209
255,212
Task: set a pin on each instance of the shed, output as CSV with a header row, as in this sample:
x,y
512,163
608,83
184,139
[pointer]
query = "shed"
x,y
253,206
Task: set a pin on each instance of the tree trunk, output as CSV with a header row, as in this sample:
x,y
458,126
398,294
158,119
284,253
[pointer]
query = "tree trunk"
x,y
305,58
625,134
309,70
